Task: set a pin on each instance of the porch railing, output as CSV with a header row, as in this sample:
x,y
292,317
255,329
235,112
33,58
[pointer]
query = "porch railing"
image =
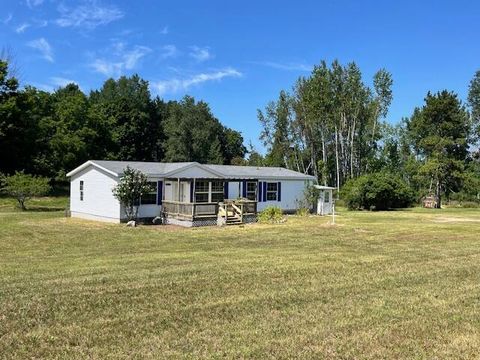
x,y
190,209
239,207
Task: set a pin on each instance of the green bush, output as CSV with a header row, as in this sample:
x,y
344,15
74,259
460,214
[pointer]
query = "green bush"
x,y
271,215
303,211
463,204
377,191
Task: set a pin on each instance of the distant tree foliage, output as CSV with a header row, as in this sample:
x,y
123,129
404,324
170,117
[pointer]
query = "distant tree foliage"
x,y
51,133
23,187
329,126
332,125
440,132
474,103
192,133
377,191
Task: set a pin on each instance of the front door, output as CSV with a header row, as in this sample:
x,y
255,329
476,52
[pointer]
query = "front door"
x,y
184,191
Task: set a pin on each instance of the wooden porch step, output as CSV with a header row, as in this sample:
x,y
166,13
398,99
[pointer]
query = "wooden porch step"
x,y
233,221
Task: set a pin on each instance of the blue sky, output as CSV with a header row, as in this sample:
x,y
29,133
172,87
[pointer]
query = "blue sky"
x,y
238,55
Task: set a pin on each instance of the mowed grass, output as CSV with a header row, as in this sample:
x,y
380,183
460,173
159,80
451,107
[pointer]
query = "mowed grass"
x,y
402,284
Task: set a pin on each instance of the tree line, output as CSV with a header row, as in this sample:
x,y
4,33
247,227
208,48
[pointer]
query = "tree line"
x,y
332,125
50,134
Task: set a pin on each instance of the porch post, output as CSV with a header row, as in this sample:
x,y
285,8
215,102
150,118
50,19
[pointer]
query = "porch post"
x,y
178,189
192,196
239,189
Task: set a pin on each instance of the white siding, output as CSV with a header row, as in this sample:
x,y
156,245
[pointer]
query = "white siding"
x,y
98,200
292,191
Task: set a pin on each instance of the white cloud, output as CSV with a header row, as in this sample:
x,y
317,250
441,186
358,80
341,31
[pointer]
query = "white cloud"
x,y
106,68
44,47
200,54
33,3
124,59
176,85
41,23
164,30
133,56
21,28
284,66
88,15
7,19
169,51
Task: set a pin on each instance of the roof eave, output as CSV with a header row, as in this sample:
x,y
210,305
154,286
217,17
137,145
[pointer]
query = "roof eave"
x,y
91,163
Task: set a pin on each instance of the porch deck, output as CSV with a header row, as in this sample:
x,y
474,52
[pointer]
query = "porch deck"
x,y
227,212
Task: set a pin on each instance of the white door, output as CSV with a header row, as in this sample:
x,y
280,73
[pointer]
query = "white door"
x,y
185,192
324,204
327,202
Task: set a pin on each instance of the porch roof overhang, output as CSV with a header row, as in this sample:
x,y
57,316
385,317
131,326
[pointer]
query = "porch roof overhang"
x,y
322,187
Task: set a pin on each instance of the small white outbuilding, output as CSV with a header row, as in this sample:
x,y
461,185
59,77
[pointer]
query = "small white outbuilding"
x,y
325,203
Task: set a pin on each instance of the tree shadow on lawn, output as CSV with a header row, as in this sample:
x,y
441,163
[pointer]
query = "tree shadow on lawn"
x,y
41,209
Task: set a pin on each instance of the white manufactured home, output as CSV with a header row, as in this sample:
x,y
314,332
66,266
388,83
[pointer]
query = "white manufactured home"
x,y
188,194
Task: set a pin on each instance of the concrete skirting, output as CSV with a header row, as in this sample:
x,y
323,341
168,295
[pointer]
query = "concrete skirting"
x,y
81,215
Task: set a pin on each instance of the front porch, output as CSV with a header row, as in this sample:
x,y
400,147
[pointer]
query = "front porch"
x,y
200,202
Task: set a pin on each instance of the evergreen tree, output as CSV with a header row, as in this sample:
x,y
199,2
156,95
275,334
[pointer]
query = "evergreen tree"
x,y
440,131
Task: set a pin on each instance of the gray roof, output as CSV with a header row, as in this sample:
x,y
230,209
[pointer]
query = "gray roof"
x,y
256,171
226,171
148,168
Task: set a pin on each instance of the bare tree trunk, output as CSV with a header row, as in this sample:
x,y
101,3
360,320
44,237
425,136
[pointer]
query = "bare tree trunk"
x,y
295,153
375,115
352,152
336,158
314,162
324,159
438,195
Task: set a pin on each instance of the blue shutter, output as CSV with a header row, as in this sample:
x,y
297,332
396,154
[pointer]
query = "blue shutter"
x,y
159,192
259,190
244,189
264,191
191,191
279,191
225,190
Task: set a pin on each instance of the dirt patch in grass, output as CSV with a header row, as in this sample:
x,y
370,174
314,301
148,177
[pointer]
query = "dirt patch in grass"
x,y
451,219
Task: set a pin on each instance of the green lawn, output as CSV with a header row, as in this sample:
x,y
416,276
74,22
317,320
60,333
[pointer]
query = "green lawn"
x,y
403,284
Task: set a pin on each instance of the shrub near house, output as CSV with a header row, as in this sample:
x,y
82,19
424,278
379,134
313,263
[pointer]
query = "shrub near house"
x,y
377,191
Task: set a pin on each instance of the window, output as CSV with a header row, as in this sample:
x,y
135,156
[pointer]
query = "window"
x,y
252,190
272,191
81,190
201,191
206,191
217,191
150,198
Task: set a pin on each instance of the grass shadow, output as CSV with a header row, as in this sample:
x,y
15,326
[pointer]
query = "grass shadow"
x,y
43,209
